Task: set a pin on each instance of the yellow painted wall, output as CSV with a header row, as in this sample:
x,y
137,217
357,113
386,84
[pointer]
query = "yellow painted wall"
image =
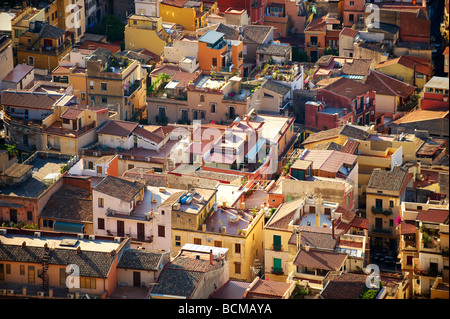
x,y
141,35
406,74
185,17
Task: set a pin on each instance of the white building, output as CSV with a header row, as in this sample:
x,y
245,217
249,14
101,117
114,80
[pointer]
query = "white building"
x,y
147,7
124,208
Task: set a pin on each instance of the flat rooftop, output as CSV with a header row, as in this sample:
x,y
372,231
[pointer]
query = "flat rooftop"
x,y
70,243
206,81
34,186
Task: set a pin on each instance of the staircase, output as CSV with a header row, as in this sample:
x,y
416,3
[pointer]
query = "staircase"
x,y
43,271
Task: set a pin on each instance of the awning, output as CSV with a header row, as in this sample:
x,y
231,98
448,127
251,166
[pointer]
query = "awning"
x,y
68,227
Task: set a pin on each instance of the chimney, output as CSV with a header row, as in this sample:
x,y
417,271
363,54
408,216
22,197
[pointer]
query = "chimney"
x,y
332,228
113,252
24,244
317,219
211,257
78,250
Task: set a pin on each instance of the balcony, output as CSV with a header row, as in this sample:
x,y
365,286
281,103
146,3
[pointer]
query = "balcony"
x,y
313,44
132,89
382,231
57,129
277,271
277,247
381,211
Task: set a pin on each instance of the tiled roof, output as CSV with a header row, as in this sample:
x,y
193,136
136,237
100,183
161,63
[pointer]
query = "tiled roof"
x,y
408,227
70,204
431,146
349,32
101,54
17,170
268,289
71,114
94,45
273,49
230,33
318,240
354,132
386,85
359,222
329,146
356,67
90,263
348,88
323,135
319,259
433,215
147,134
422,115
423,65
140,259
119,188
283,216
350,146
255,33
52,32
30,99
392,180
276,87
176,3
118,128
18,73
329,161
181,276
345,286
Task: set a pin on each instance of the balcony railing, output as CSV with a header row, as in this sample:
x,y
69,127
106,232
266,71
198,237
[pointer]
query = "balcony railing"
x,y
277,247
133,88
381,211
386,231
277,271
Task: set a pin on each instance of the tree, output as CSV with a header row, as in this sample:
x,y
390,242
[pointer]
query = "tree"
x,y
112,27
299,55
331,51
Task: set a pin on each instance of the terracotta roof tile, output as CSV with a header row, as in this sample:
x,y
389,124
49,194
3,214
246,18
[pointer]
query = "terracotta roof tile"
x,y
94,45
433,215
392,180
422,115
326,260
118,128
386,85
423,65
18,73
345,286
349,32
120,188
30,99
348,88
264,289
407,227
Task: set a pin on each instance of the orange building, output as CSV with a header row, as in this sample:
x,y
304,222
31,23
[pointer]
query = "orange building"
x,y
316,36
220,55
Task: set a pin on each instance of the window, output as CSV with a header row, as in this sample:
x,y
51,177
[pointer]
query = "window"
x,y
161,231
237,268
22,270
99,169
177,241
277,264
277,242
29,215
104,86
8,269
213,107
214,61
202,98
101,223
30,60
409,260
87,283
90,165
2,272
101,202
104,99
202,115
378,203
419,76
66,121
391,223
91,85
83,96
352,3
237,248
197,241
391,203
31,274
217,243
47,223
